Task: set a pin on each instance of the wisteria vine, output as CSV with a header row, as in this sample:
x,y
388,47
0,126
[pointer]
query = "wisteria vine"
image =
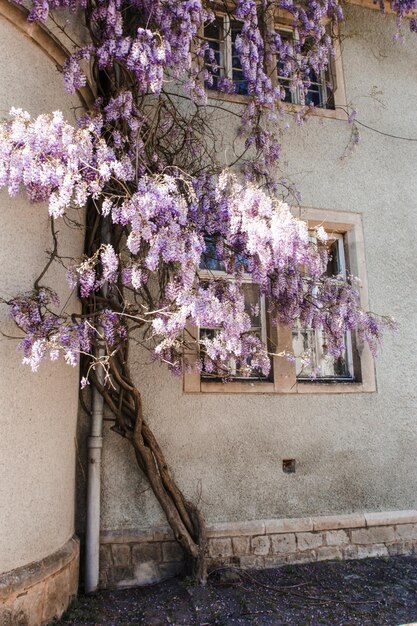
x,y
160,200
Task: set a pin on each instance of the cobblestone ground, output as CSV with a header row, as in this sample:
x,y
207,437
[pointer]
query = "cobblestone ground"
x,y
373,592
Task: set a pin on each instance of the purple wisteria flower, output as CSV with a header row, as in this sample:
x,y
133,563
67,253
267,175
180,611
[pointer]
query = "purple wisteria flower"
x,y
161,199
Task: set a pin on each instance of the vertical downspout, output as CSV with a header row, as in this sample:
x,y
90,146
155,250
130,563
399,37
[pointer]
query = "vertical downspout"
x,y
94,446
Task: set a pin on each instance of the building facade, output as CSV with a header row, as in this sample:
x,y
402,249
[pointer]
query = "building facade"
x,y
352,442
284,470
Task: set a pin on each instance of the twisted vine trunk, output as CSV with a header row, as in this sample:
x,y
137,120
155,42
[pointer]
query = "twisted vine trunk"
x,y
184,518
121,395
124,400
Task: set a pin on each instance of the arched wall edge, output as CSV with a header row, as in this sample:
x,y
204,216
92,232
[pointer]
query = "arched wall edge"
x,y
41,590
41,37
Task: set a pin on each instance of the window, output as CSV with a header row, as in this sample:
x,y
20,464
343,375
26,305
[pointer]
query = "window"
x,y
309,346
353,372
211,268
326,91
322,86
222,61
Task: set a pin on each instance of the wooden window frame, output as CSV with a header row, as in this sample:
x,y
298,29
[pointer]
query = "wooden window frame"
x,y
339,93
283,22
317,336
297,97
284,380
228,64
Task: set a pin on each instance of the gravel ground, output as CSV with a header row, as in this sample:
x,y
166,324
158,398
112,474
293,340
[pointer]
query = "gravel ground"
x,y
368,592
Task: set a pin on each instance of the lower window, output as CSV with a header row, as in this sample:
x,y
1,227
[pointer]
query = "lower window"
x,y
255,308
312,361
312,369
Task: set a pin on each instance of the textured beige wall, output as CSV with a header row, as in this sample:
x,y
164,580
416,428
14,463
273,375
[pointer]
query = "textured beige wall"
x,y
37,411
353,452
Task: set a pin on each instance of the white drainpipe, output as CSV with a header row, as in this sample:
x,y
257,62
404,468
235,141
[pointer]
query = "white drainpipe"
x,y
94,446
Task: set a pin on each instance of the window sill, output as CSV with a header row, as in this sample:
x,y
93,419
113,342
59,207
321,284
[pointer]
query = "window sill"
x,y
328,388
287,107
271,389
369,4
333,114
237,387
234,98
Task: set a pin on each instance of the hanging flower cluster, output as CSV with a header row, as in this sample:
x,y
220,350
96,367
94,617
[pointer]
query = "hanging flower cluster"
x,y
56,162
49,334
165,232
161,198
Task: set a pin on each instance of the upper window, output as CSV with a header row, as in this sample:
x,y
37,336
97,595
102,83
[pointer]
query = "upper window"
x,y
222,60
225,74
322,86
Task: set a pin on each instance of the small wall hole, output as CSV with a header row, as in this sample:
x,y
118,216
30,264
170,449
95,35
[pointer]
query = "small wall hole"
x,y
288,466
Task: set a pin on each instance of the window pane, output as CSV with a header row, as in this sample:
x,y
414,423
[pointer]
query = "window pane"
x,y
283,70
320,92
215,56
314,95
239,81
253,307
285,83
209,258
312,360
334,267
214,30
244,370
253,304
330,87
235,369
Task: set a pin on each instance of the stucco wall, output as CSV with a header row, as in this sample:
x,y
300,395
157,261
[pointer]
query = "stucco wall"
x,y
37,411
354,452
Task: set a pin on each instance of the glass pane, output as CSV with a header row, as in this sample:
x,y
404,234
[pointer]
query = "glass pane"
x,y
209,258
334,267
235,30
304,350
330,87
242,369
214,57
207,333
285,82
215,53
314,96
312,359
214,30
320,92
252,303
282,69
239,81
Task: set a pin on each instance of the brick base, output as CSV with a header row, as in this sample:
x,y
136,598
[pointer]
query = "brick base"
x,y
35,594
138,557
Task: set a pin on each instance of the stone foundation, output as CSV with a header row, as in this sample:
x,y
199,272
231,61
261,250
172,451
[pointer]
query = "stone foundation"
x,y
137,557
35,594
